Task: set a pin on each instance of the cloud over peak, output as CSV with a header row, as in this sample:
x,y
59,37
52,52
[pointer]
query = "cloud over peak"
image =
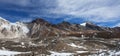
x,y
92,10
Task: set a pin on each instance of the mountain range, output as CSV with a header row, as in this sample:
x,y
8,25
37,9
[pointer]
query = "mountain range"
x,y
41,37
41,28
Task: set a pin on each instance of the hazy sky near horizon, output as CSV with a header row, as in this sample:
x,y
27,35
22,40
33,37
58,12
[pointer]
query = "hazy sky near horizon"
x,y
101,12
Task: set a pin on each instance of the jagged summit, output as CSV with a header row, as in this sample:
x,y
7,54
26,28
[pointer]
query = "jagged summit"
x,y
39,20
87,23
64,23
83,24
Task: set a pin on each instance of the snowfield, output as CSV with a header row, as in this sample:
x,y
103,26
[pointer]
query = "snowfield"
x,y
60,54
9,53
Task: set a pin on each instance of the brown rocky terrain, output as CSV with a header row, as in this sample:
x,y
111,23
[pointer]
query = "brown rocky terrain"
x,y
40,27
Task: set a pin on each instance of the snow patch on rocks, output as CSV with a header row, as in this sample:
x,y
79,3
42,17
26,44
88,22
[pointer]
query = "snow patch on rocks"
x,y
76,46
10,53
60,54
83,24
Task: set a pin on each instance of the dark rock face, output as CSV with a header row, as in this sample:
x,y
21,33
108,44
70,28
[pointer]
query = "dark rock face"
x,y
39,21
93,27
41,28
116,29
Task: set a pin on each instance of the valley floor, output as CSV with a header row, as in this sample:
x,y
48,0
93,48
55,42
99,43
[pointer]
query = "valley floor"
x,y
61,46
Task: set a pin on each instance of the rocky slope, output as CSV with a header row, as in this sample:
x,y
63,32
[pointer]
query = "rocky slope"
x,y
40,37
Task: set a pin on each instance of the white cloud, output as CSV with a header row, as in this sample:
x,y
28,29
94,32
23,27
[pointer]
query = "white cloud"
x,y
94,10
117,25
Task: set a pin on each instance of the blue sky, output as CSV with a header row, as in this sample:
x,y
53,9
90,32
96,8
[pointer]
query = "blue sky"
x,y
101,12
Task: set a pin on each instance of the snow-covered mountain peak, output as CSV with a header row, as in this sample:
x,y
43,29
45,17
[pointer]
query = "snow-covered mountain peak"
x,y
23,26
86,23
83,24
12,30
2,19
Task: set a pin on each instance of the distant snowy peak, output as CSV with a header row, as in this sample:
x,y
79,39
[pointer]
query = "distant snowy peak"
x,y
83,24
87,23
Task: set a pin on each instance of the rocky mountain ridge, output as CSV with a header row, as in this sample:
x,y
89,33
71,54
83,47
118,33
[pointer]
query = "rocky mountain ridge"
x,y
43,28
39,27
